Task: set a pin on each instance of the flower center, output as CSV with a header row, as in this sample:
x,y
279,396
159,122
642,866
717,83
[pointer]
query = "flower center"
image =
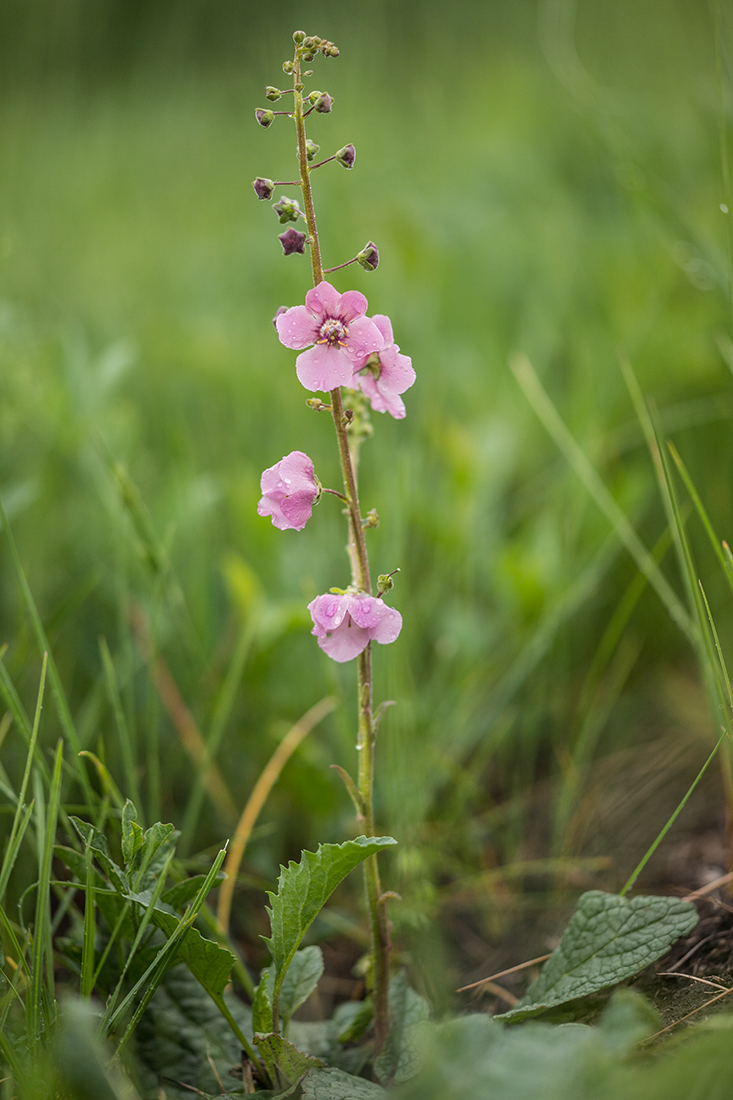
x,y
333,332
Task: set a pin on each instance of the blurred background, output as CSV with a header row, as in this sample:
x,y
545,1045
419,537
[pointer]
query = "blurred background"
x,y
541,178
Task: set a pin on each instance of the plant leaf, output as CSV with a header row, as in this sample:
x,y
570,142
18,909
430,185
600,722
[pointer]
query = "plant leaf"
x,y
180,894
283,1060
304,888
301,979
98,843
262,1003
334,1084
407,1009
132,834
609,938
207,961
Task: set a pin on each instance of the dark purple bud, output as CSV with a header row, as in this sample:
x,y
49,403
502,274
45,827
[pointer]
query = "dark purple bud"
x,y
287,210
281,309
265,118
324,103
292,240
369,257
346,156
263,188
311,149
273,94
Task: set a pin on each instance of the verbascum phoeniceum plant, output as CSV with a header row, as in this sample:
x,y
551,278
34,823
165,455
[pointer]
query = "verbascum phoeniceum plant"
x,y
353,359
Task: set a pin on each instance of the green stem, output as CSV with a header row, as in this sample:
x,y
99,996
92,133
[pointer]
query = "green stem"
x,y
361,579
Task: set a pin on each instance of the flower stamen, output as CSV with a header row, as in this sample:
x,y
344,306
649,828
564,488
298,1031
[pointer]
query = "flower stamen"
x,y
333,331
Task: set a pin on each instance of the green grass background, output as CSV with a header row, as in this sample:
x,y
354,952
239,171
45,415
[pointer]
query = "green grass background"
x,y
538,177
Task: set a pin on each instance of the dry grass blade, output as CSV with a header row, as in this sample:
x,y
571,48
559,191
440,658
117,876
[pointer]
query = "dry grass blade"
x,y
722,881
257,799
503,973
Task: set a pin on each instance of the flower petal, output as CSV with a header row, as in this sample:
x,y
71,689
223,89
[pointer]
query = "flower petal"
x,y
323,301
297,508
328,612
297,328
297,473
353,305
364,338
346,642
389,626
324,367
384,325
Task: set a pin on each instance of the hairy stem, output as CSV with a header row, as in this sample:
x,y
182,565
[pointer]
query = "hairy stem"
x,y
361,579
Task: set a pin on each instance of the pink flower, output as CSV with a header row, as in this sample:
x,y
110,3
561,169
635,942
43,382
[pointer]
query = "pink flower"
x,y
385,374
289,491
345,624
336,325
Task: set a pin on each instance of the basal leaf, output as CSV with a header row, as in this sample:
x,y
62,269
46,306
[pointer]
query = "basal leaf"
x,y
208,961
407,1009
300,980
132,834
98,843
262,1003
304,888
282,1060
608,939
334,1084
179,895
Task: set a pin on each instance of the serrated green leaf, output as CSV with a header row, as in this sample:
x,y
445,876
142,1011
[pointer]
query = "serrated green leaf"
x,y
179,895
208,961
181,1026
262,1003
151,857
334,1084
302,891
282,1060
132,834
98,843
407,1009
300,980
608,939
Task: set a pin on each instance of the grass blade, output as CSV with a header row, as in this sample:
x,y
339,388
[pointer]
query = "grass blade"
x,y
38,995
550,418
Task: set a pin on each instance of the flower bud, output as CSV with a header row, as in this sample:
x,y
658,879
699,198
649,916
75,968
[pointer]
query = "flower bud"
x,y
332,51
317,404
298,37
311,149
263,188
309,55
265,118
346,156
324,103
313,96
292,240
288,66
309,42
369,257
286,209
273,94
385,582
371,520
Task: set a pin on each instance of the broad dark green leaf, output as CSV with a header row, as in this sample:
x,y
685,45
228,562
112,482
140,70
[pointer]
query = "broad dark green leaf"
x,y
407,1009
300,980
283,1060
179,895
334,1084
208,961
262,1003
608,939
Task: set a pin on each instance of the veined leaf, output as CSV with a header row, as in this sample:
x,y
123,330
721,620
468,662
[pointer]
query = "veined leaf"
x,y
132,834
207,961
283,1061
302,891
98,843
262,1003
300,980
407,1009
609,938
334,1084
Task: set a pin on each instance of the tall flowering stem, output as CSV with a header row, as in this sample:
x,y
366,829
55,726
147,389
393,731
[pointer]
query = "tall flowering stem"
x,y
360,575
